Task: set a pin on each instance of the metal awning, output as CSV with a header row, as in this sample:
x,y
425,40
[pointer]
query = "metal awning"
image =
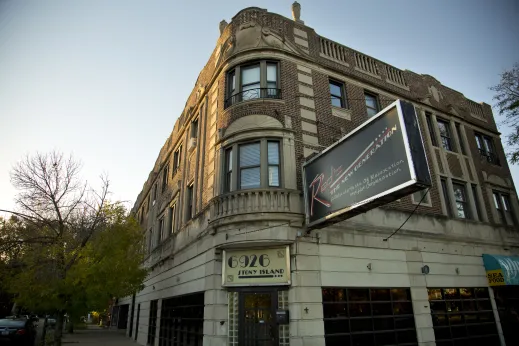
x,y
501,270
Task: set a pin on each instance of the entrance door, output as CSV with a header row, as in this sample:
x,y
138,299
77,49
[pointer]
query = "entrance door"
x,y
257,323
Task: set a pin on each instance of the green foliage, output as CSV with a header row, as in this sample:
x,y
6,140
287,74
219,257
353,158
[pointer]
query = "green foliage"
x,y
109,265
67,249
507,101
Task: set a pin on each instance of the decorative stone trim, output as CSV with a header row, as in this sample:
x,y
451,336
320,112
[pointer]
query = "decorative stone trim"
x,y
368,73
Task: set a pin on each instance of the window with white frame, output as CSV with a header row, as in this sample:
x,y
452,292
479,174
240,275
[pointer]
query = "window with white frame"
x,y
172,216
486,148
250,81
372,104
338,94
462,204
162,229
165,177
177,157
504,208
190,201
257,164
445,134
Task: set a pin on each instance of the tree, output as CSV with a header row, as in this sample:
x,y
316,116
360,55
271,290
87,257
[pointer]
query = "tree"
x,y
507,101
68,249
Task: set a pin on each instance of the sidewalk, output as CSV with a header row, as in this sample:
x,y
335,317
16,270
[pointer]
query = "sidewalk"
x,y
98,337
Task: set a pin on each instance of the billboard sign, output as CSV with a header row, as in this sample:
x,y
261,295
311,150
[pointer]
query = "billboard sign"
x,y
376,163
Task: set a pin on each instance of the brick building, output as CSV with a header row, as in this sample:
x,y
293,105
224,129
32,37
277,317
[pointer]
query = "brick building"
x,y
230,260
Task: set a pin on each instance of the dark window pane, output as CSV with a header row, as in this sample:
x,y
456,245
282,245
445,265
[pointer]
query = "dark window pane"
x,y
339,340
450,293
459,331
435,293
372,112
444,128
380,295
471,318
442,333
358,295
402,308
455,319
335,89
469,305
438,306
400,294
404,322
362,340
444,343
453,306
439,320
385,339
467,293
359,309
481,292
333,295
335,310
381,309
336,101
406,336
383,323
486,316
361,325
484,305
336,326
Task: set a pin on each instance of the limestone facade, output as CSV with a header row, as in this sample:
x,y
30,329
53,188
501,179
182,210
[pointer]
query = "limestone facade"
x,y
192,207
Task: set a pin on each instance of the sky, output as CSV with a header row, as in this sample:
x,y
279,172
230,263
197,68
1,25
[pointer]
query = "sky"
x,y
106,80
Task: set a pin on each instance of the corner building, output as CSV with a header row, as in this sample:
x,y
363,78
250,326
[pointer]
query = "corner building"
x,y
230,259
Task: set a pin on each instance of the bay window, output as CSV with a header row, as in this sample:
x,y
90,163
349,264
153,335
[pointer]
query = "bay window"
x,y
257,164
253,81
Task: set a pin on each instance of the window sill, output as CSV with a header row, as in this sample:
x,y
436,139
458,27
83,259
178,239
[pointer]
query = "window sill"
x,y
253,101
340,112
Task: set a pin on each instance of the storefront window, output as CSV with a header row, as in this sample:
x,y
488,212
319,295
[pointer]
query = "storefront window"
x,y
507,301
462,316
182,320
368,316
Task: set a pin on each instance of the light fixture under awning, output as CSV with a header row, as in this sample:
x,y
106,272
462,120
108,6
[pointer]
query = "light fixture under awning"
x,y
501,270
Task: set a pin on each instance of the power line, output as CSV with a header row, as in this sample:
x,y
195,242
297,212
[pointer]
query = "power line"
x,y
261,229
402,225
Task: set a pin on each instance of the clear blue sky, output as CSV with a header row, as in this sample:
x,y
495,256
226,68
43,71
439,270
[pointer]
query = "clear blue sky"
x,y
106,80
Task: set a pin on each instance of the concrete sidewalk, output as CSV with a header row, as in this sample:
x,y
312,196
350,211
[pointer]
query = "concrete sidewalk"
x,y
98,337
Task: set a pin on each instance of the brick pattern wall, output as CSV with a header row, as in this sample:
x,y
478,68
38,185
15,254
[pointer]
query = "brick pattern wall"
x,y
312,115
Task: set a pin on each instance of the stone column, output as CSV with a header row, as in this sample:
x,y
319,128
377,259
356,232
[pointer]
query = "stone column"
x,y
216,307
420,299
305,296
496,316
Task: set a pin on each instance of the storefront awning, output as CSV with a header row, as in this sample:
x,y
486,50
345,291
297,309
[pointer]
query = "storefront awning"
x,y
501,270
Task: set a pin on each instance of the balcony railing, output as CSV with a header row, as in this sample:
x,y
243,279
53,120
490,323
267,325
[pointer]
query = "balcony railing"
x,y
252,94
256,202
490,157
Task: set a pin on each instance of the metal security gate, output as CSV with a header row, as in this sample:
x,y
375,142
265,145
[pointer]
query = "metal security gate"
x,y
257,323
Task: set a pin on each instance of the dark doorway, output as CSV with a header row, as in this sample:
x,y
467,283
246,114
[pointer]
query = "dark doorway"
x,y
122,321
137,322
257,323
